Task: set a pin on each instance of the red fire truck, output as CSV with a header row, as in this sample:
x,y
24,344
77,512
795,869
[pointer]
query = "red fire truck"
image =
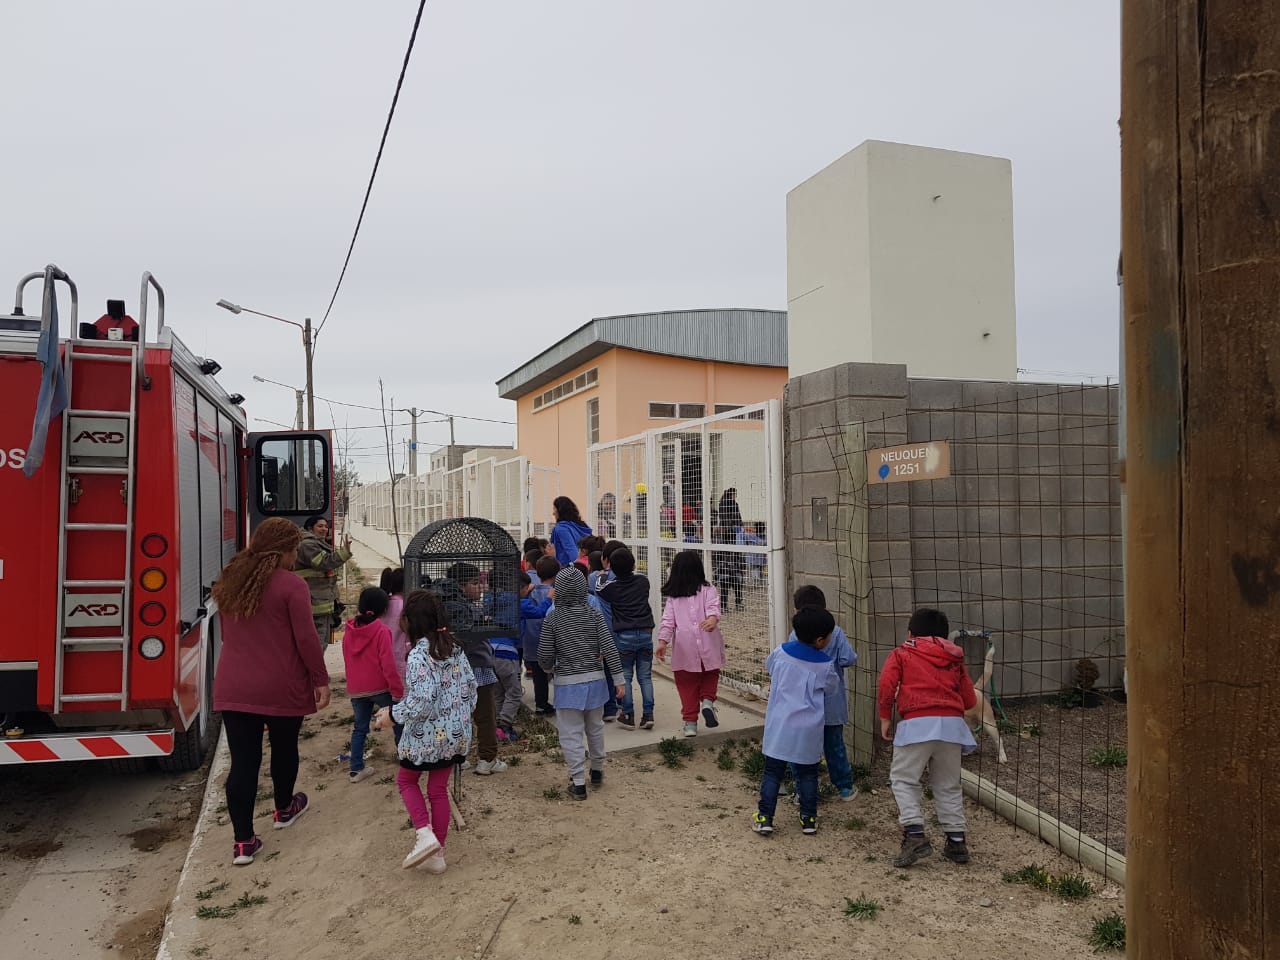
x,y
150,481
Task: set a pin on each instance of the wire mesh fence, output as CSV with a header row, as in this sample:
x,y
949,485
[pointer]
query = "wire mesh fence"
x,y
713,486
1007,517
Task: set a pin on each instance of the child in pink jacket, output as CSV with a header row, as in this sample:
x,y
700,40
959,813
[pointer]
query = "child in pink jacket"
x,y
373,679
691,627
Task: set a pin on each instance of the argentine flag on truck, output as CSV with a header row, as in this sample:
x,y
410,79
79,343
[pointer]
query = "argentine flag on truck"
x,y
52,399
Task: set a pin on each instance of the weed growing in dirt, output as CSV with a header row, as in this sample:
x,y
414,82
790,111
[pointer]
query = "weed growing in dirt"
x,y
1030,730
1108,933
712,806
321,786
700,778
1109,757
208,892
249,900
272,855
1070,887
262,884
199,951
855,823
1006,726
215,913
861,909
751,763
1068,698
387,779
1031,875
575,919
815,860
675,751
724,759
513,761
551,793
306,734
644,768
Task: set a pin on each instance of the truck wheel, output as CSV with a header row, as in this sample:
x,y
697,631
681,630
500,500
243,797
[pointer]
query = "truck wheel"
x,y
191,747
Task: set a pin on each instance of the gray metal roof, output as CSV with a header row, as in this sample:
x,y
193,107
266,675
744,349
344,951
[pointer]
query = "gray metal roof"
x,y
755,337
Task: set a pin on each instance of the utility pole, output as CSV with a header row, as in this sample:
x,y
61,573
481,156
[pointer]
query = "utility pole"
x,y
1200,188
451,440
297,395
308,344
413,442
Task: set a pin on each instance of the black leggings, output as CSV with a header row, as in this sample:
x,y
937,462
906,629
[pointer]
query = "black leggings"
x,y
244,738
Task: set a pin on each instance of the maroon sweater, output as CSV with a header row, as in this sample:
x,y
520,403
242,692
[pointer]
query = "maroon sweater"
x,y
271,662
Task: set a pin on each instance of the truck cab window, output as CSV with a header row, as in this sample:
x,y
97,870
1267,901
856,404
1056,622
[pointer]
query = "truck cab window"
x,y
292,475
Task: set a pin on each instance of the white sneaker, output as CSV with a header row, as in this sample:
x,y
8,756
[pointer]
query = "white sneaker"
x,y
709,713
690,729
434,863
486,767
424,845
364,773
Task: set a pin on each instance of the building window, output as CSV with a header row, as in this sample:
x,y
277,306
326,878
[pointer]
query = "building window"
x,y
692,411
726,407
582,381
593,420
662,411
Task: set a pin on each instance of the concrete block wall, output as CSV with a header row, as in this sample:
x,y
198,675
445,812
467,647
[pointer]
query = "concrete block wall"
x,y
1022,540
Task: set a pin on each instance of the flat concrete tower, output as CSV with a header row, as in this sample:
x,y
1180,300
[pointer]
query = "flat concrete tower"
x,y
903,254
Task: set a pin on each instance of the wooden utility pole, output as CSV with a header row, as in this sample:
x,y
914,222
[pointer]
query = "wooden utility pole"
x,y
1200,165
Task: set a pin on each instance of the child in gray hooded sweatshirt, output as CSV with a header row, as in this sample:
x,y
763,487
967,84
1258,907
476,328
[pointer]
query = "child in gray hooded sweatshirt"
x,y
574,649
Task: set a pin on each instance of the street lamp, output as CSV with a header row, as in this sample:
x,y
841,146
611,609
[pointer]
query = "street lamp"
x,y
296,393
307,345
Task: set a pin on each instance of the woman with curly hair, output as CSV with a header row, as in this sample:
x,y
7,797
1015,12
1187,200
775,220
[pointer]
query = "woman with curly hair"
x,y
271,674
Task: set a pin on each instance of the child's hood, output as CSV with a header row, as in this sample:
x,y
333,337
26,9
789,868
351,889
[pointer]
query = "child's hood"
x,y
937,650
579,530
359,640
571,587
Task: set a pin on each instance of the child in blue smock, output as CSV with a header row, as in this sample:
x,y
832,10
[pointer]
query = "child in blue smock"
x,y
802,677
841,653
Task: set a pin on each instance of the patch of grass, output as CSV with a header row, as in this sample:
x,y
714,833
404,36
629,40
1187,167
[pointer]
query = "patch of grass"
x,y
855,823
815,860
1109,757
1031,729
861,909
208,892
575,919
1108,933
306,734
712,806
675,751
1070,887
513,761
1007,727
215,913
700,778
724,759
861,771
321,786
751,763
1031,875
272,855
200,951
249,900
552,793
387,779
1069,698
644,768
262,884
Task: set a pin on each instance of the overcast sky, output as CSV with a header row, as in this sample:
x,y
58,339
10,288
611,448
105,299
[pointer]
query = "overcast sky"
x,y
550,161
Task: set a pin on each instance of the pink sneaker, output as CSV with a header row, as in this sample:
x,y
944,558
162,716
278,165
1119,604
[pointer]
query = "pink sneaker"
x,y
296,808
501,735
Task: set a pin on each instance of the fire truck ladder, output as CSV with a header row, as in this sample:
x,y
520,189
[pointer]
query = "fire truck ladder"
x,y
95,610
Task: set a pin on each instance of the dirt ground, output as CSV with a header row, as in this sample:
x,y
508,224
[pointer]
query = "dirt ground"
x,y
658,860
1051,770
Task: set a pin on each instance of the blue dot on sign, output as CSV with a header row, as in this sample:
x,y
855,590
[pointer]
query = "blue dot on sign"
x,y
884,470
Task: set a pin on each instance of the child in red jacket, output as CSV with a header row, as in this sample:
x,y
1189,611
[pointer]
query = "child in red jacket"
x,y
373,679
926,677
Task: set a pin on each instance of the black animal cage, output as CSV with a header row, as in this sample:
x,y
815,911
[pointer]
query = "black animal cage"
x,y
474,565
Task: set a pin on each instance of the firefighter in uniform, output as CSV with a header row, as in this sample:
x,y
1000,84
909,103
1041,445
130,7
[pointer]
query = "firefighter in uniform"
x,y
317,561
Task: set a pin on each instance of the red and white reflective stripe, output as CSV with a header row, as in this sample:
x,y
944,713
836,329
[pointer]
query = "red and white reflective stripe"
x,y
86,746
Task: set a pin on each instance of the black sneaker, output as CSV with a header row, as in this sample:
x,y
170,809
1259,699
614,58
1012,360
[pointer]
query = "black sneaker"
x,y
956,850
915,846
578,791
808,825
646,722
597,778
761,824
627,720
546,710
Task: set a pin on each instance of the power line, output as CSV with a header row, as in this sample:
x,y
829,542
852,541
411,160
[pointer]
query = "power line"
x,y
376,161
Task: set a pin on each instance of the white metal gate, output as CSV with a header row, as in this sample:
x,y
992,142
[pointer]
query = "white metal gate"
x,y
713,485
